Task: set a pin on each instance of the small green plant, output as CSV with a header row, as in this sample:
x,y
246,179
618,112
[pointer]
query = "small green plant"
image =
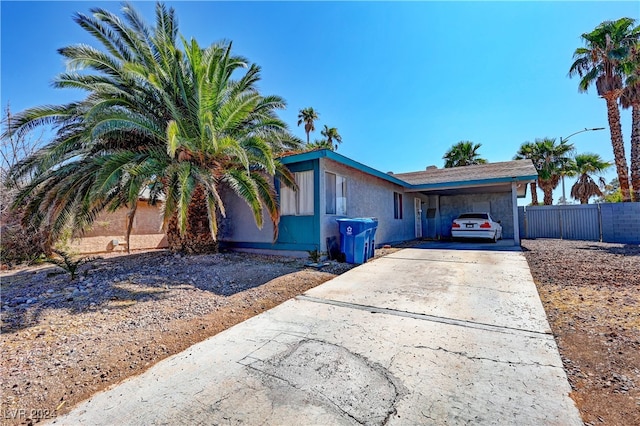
x,y
315,255
67,262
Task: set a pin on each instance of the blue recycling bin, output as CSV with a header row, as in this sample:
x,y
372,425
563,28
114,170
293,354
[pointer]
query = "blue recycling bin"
x,y
372,238
357,238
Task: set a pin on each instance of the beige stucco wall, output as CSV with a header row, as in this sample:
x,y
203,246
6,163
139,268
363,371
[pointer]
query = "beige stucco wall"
x,y
147,231
368,196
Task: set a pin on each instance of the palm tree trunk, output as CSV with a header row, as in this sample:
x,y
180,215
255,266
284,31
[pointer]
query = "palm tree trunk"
x,y
548,197
534,193
197,237
635,151
131,214
613,114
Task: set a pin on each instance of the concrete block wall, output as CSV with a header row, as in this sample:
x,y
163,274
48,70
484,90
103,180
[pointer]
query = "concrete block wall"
x,y
147,231
620,223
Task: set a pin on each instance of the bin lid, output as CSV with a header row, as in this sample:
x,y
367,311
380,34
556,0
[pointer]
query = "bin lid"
x,y
357,224
358,219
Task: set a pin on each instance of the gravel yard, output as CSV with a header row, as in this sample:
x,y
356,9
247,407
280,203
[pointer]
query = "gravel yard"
x,y
63,341
591,293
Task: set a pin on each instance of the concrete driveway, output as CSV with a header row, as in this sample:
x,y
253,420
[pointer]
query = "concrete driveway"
x,y
436,336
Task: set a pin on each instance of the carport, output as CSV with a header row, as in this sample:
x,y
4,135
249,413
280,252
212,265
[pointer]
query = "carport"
x,y
493,187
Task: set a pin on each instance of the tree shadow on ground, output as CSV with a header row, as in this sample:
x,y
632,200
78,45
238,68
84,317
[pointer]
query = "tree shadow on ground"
x,y
623,250
119,282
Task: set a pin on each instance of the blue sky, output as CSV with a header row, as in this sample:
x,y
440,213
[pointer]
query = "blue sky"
x,y
402,82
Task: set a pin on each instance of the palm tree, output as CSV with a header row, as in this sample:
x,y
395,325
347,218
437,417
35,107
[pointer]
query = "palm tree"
x,y
585,165
464,153
550,161
308,116
528,151
156,116
319,144
630,98
331,133
600,61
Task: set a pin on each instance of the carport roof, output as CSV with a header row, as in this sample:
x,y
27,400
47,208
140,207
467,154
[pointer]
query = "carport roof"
x,y
512,170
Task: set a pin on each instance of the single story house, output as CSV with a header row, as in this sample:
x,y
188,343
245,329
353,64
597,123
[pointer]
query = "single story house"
x,y
407,205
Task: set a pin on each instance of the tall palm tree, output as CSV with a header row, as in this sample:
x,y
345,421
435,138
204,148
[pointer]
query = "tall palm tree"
x,y
585,165
157,115
528,151
308,116
331,133
600,62
464,153
551,159
630,98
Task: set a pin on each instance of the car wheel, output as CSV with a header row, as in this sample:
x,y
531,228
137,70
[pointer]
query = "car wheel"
x,y
495,237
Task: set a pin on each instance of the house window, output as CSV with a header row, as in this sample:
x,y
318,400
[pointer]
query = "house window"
x,y
336,194
397,205
300,202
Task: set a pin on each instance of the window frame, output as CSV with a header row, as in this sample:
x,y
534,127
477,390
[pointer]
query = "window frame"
x,y
339,181
298,195
397,205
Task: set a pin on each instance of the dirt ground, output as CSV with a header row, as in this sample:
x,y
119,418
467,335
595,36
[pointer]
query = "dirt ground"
x,y
63,341
591,293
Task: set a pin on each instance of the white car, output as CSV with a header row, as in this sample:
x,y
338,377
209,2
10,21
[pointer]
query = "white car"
x,y
476,225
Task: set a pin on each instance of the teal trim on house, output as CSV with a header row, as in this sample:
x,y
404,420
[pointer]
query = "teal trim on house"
x,y
331,155
302,232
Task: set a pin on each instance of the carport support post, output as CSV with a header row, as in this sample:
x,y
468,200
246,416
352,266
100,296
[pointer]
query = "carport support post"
x,y
514,202
438,217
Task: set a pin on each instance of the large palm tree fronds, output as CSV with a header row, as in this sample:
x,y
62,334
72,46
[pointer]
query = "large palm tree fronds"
x,y
160,112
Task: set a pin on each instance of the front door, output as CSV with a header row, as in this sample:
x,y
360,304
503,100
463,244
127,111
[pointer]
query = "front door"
x,y
418,216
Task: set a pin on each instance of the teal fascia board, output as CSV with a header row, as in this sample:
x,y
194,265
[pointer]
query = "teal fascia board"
x,y
331,155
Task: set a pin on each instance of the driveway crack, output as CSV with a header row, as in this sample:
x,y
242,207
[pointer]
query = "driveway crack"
x,y
480,358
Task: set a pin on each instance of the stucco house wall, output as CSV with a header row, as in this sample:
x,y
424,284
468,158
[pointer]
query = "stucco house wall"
x,y
368,196
146,233
239,224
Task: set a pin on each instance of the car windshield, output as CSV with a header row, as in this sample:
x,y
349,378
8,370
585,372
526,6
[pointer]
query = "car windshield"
x,y
474,216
